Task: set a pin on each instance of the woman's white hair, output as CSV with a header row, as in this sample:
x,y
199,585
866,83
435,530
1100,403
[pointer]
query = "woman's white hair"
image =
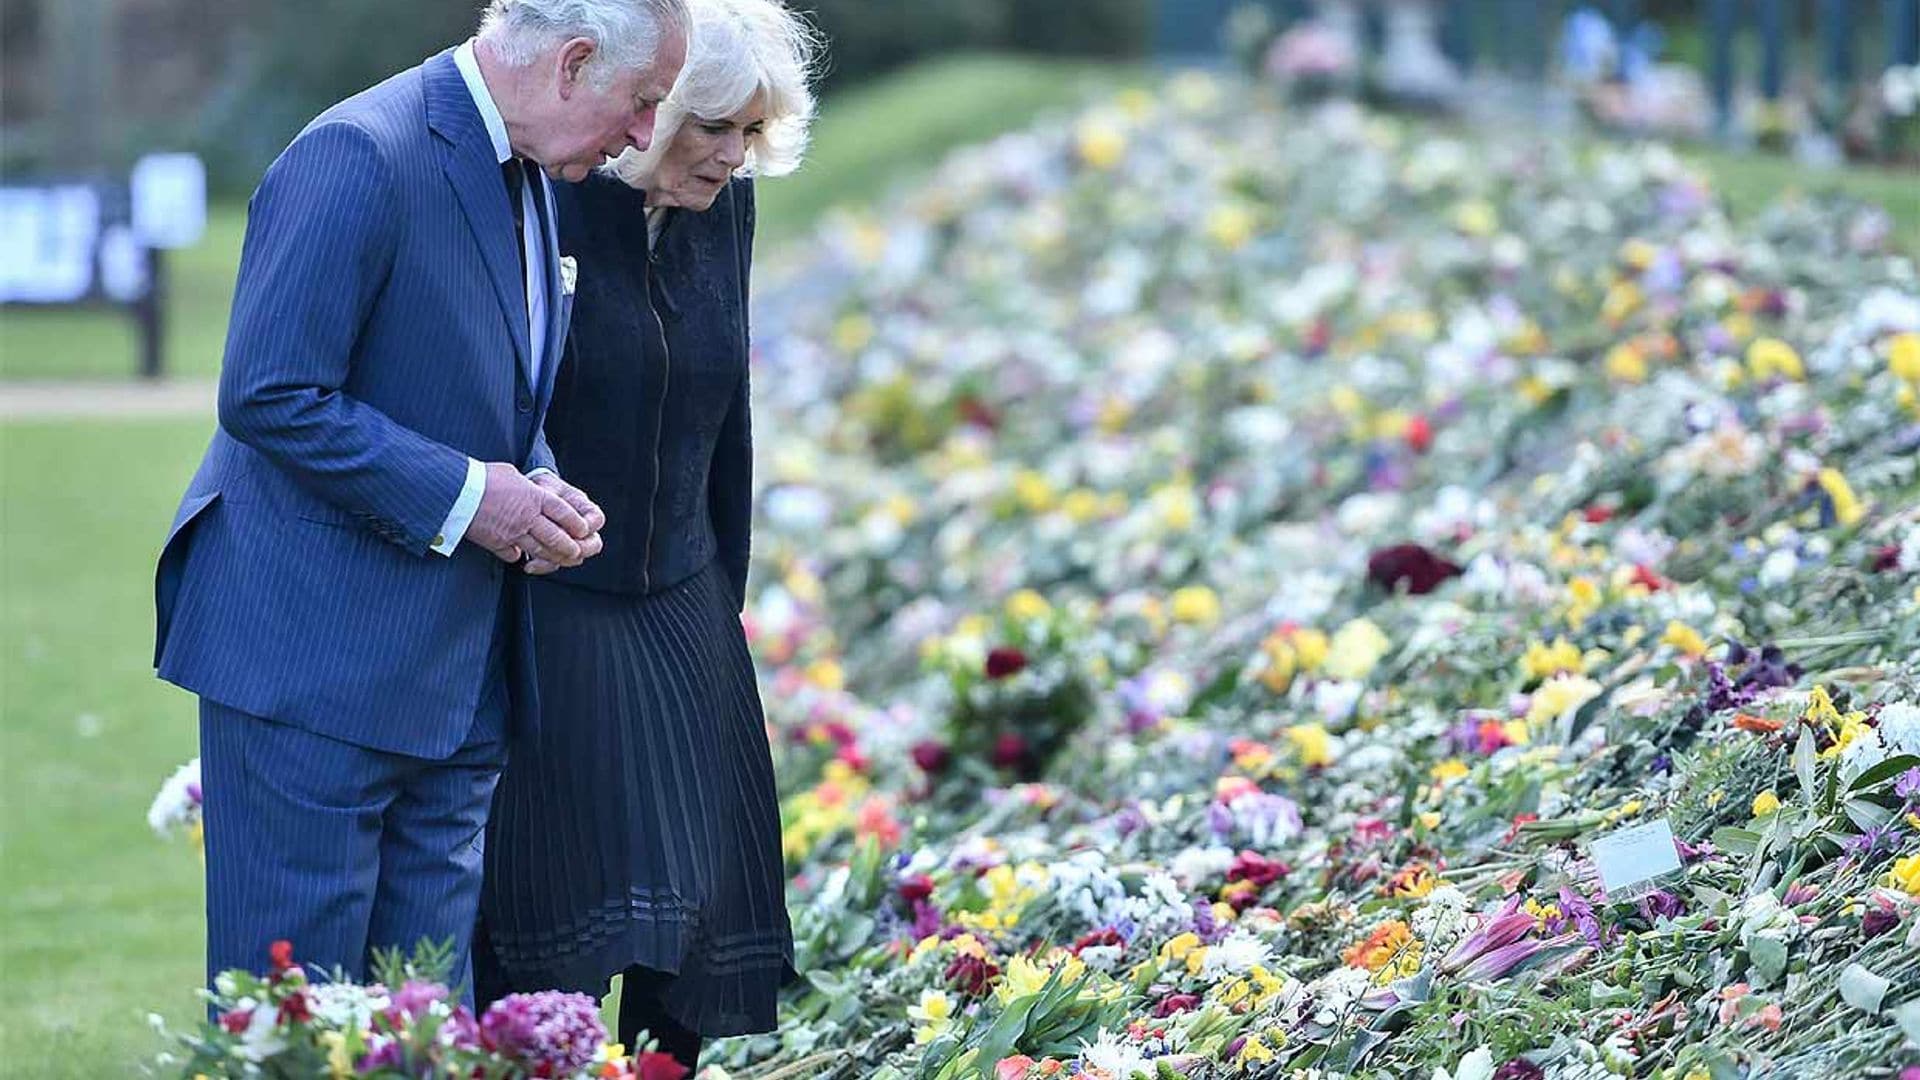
x,y
625,33
739,50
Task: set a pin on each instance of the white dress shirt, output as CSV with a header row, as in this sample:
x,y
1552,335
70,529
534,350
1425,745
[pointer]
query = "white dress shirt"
x,y
531,242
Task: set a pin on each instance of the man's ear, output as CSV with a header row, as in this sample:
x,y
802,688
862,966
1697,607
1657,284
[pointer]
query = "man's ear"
x,y
574,56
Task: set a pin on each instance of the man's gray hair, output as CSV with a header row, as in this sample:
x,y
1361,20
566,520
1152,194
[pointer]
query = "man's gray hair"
x,y
740,50
625,33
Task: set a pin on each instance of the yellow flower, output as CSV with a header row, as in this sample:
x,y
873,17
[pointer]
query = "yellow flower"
x,y
1476,218
1430,819
1684,638
1081,505
1450,769
1903,357
1769,357
1356,649
826,674
1196,604
935,1013
1102,143
1312,743
1034,491
1638,254
1846,506
1023,976
1230,225
1545,660
1765,803
1625,363
1905,875
1253,1050
1584,600
852,333
1517,732
1282,661
339,1058
1623,299
1027,605
1557,696
1177,506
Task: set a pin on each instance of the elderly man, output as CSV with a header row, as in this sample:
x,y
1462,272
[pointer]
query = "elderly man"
x,y
342,583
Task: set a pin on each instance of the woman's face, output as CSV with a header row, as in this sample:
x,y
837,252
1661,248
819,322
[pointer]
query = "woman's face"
x,y
703,156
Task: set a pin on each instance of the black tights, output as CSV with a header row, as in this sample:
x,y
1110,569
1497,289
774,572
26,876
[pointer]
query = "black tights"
x,y
641,1010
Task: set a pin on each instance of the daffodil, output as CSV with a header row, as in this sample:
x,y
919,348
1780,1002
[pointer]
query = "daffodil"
x,y
1196,605
1356,649
1770,357
1765,803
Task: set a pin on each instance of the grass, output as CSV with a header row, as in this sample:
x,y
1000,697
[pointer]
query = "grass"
x,y
102,922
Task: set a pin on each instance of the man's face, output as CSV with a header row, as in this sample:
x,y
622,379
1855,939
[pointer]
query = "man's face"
x,y
589,124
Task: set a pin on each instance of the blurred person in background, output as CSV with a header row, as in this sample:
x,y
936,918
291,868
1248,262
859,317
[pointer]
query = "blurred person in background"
x,y
638,834
339,585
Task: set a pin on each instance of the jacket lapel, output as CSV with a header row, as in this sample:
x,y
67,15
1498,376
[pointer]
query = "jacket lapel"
x,y
559,307
466,156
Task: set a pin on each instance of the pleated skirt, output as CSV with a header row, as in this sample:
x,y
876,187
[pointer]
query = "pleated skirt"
x,y
641,825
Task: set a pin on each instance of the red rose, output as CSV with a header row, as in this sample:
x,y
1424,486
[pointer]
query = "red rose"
x,y
1005,661
916,888
1420,434
1644,576
1257,868
296,1009
1106,936
656,1066
282,954
1886,559
1598,515
1421,570
1176,1003
1009,751
931,756
237,1020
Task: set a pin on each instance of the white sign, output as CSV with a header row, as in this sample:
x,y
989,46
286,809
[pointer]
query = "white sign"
x,y
169,194
47,238
1629,857
123,265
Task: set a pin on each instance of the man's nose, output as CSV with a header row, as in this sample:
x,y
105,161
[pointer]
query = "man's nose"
x,y
640,134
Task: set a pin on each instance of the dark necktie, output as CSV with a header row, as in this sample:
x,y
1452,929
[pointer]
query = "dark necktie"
x,y
518,173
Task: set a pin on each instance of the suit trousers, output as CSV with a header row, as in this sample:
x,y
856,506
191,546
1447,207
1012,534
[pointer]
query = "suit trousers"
x,y
342,849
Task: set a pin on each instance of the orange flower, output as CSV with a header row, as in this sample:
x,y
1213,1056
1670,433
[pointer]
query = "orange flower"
x,y
1380,947
1759,725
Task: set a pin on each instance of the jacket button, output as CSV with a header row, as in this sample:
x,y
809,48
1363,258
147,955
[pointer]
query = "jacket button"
x,y
524,403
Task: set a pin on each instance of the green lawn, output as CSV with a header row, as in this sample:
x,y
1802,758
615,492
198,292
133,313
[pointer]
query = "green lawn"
x,y
101,920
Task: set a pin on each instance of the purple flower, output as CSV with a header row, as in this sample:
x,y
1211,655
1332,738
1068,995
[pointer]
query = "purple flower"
x,y
1205,925
1879,921
1870,842
1581,914
1503,929
1661,904
1519,1069
412,1001
1908,786
548,1033
1498,963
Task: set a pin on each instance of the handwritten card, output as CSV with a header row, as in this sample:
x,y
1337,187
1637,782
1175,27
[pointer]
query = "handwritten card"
x,y
1629,858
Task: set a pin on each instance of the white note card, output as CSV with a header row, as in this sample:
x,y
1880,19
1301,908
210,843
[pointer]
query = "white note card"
x,y
1628,857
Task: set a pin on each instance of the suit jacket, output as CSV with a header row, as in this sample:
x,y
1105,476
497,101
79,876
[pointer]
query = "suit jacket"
x,y
378,339
650,413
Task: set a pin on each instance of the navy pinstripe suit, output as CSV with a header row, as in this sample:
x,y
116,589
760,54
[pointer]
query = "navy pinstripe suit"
x,y
355,685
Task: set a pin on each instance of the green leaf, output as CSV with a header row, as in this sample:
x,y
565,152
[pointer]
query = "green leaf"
x,y
1803,759
1886,770
1863,989
1005,1033
1736,841
1769,958
1866,814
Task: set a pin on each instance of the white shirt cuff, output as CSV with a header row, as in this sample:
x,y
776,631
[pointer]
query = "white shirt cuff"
x,y
464,507
531,473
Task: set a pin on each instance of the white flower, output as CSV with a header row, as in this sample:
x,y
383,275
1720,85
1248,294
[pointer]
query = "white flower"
x,y
1337,991
1119,1059
1236,954
178,803
263,1038
1779,567
1910,551
1863,753
1334,699
1762,916
1442,920
1196,865
1900,727
345,1005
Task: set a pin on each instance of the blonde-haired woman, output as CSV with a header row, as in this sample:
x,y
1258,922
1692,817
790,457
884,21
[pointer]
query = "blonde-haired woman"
x,y
638,832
